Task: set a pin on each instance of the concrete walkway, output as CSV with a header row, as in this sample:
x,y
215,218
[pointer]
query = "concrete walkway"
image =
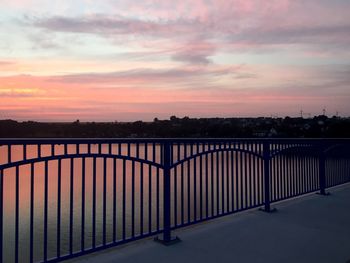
x,y
308,229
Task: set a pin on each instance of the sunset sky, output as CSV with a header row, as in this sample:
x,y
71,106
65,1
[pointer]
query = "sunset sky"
x,y
131,60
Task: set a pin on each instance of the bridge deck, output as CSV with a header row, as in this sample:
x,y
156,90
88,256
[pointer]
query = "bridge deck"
x,y
312,228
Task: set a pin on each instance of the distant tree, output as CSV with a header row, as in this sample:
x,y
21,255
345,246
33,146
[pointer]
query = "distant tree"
x,y
173,118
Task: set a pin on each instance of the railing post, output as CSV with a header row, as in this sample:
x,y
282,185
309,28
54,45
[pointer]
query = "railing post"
x,y
1,214
322,171
266,157
167,239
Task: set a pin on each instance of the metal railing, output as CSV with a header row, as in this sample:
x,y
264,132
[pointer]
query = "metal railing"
x,y
62,198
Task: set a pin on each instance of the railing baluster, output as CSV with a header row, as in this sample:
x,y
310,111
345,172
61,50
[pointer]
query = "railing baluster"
x,y
94,202
9,154
241,177
201,186
149,198
182,195
17,215
133,199
227,182
59,176
175,196
212,182
31,217
222,182
236,177
1,215
124,201
194,187
141,199
322,172
217,184
267,158
83,205
157,199
104,211
114,200
71,206
46,189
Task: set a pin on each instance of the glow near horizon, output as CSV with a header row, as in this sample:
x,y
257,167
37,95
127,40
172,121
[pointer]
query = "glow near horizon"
x,y
131,60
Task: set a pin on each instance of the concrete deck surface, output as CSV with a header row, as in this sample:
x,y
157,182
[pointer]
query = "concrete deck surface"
x,y
307,229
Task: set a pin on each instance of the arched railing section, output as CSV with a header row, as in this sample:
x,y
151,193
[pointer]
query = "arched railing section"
x,y
62,198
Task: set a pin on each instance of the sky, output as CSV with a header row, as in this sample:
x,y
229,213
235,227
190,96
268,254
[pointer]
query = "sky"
x,y
127,60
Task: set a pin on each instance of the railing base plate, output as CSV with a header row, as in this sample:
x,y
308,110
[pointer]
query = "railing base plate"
x,y
271,210
170,242
324,194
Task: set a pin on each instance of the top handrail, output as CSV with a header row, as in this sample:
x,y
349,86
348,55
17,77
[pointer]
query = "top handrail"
x,y
21,141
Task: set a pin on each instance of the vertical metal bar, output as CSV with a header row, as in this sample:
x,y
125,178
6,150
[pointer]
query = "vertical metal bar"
x,y
133,198
1,215
141,198
146,150
201,185
24,152
124,201
256,196
175,196
251,192
206,186
161,154
167,193
236,175
71,206
149,198
301,178
83,205
46,189
232,181
157,199
182,194
119,149
241,178
286,174
227,182
217,184
9,154
94,202
266,154
212,182
17,215
153,152
31,238
58,234
104,211
278,165
245,177
321,170
286,161
188,189
290,165
222,182
194,187
114,200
